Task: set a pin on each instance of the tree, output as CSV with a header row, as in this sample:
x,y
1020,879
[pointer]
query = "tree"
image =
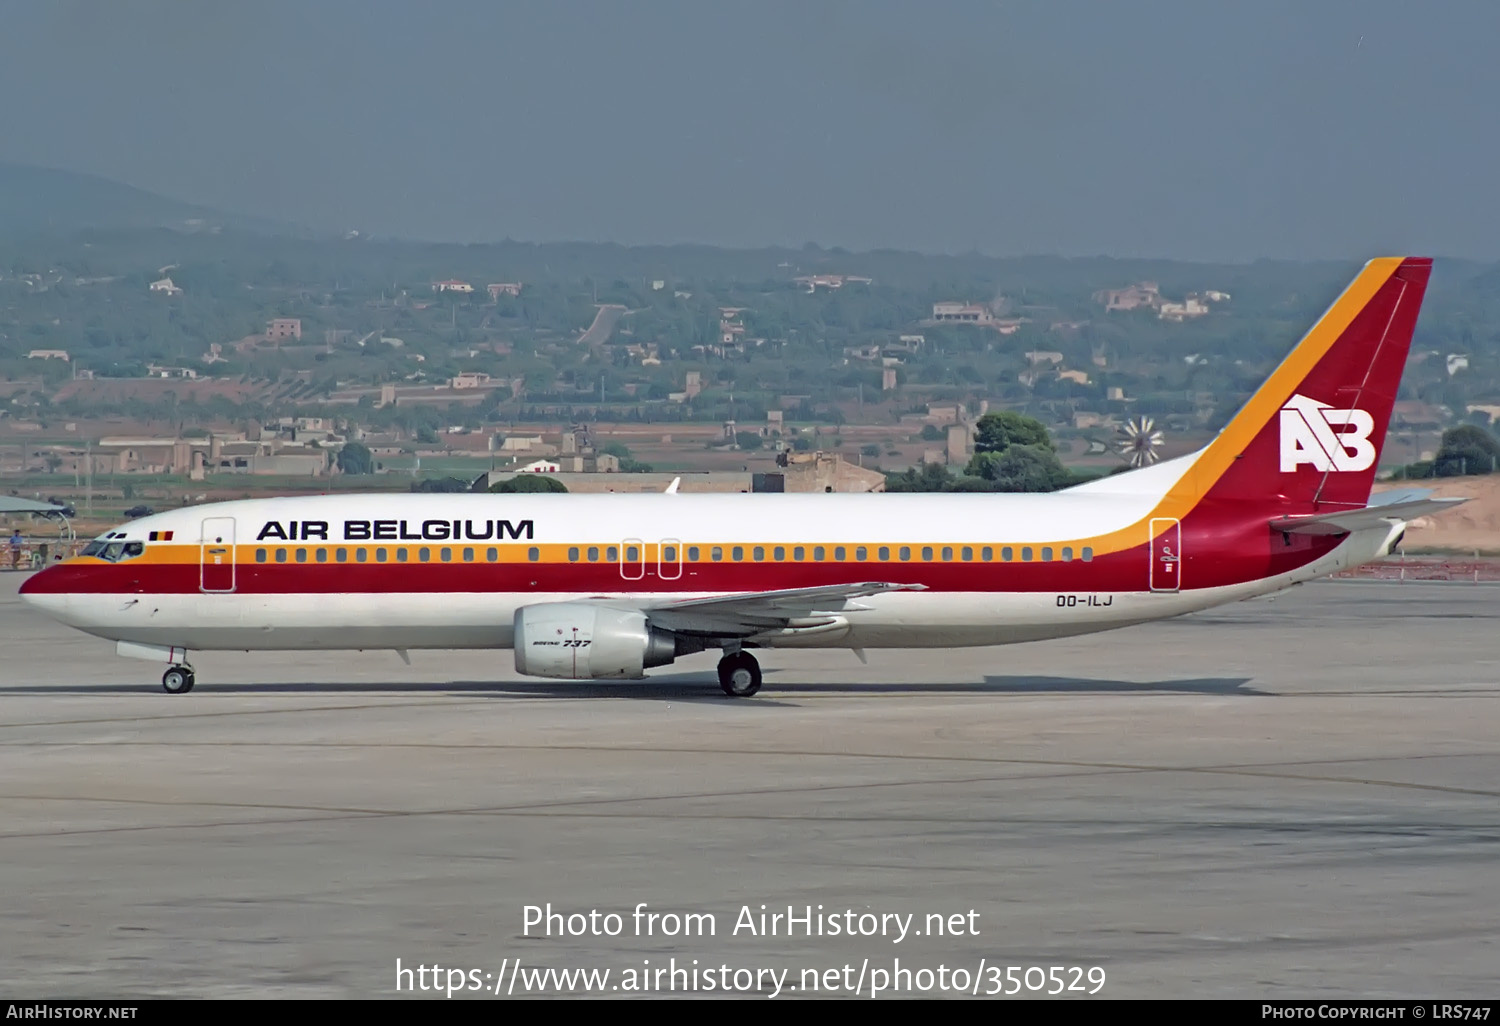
x,y
1020,468
1466,449
441,484
931,433
872,450
355,458
930,477
529,483
996,432
747,440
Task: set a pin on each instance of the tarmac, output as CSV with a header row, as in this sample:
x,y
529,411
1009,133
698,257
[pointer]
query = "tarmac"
x,y
1290,798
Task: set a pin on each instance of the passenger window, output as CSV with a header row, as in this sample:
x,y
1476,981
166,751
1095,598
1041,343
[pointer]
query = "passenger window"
x,y
799,553
359,555
593,553
632,554
778,554
817,552
573,554
446,555
611,553
759,553
716,553
1007,554
927,553
341,555
947,553
322,556
669,553
860,552
838,552
492,554
738,553
302,555
692,554
534,554
905,552
884,553
987,554
1026,553
260,554
967,553
423,555
281,555
1067,554
401,555
1088,554
380,554
1046,553
468,555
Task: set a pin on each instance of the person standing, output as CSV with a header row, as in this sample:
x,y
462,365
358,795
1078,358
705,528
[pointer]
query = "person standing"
x,y
16,541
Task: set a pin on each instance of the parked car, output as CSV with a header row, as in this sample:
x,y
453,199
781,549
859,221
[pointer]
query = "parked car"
x,y
67,508
139,511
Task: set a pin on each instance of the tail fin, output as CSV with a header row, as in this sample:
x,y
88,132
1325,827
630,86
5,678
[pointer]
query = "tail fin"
x,y
1311,436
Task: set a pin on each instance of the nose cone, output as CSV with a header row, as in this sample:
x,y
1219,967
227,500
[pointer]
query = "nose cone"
x,y
46,590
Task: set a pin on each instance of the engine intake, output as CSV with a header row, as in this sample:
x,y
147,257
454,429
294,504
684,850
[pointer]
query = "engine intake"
x,y
581,641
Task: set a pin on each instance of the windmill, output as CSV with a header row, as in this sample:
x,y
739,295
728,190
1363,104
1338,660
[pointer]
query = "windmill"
x,y
1138,441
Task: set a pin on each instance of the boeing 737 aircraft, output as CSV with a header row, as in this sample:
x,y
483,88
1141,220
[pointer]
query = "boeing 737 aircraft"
x,y
586,587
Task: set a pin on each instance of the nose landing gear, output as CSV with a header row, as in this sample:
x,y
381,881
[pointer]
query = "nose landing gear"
x,y
178,680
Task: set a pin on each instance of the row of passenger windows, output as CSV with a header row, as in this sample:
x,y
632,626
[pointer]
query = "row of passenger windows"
x,y
716,554
383,555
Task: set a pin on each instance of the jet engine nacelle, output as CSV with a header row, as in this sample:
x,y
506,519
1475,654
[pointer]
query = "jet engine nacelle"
x,y
580,641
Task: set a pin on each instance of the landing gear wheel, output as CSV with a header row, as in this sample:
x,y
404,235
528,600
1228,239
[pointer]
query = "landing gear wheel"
x,y
739,674
178,680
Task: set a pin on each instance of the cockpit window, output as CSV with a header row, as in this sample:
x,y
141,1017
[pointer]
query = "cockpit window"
x,y
114,551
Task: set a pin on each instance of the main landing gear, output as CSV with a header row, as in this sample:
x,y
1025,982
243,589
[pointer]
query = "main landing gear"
x,y
739,674
178,680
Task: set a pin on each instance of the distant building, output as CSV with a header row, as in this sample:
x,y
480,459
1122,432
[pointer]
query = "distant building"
x,y
813,282
473,379
280,328
962,313
158,371
504,288
540,467
1076,376
49,354
658,284
1192,306
1456,363
1043,356
165,286
888,379
1143,293
453,285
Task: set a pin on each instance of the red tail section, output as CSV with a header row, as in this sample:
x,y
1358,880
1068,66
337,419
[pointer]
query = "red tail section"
x,y
1311,437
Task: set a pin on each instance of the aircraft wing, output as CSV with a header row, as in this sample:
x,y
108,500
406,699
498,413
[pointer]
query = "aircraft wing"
x,y
750,613
1397,506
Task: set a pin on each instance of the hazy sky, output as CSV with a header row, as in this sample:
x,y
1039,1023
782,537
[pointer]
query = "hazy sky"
x,y
1282,128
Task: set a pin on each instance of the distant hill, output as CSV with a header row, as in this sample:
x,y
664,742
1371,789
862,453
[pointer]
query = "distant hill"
x,y
38,200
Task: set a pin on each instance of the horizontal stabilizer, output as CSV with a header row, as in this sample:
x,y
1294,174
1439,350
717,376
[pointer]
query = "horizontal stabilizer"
x,y
1348,520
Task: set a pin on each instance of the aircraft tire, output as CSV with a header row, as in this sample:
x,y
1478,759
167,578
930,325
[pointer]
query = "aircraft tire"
x,y
739,674
178,680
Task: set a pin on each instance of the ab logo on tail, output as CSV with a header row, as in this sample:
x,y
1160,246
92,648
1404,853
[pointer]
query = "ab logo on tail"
x,y
1309,435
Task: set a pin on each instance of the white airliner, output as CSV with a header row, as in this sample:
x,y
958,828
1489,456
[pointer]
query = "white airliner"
x,y
607,586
